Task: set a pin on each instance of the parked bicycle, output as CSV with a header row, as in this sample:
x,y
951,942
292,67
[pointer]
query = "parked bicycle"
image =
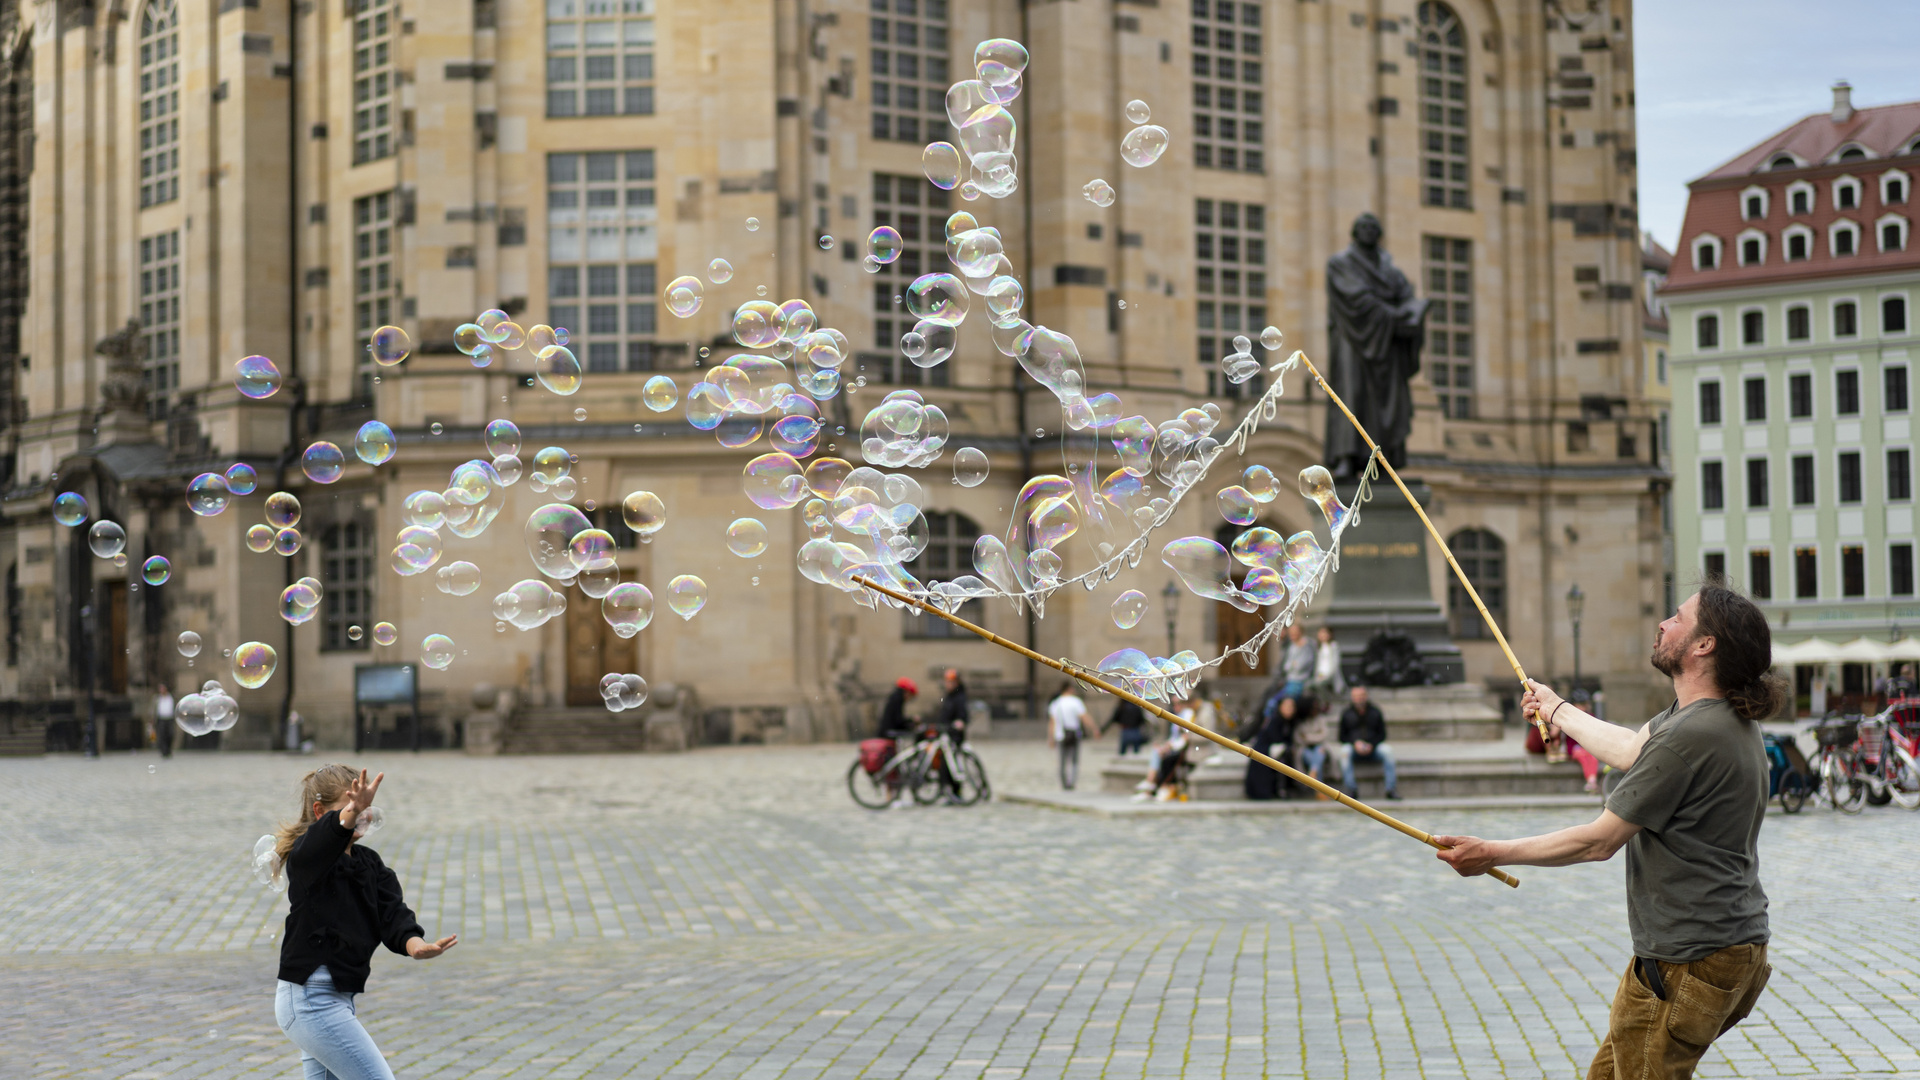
x,y
932,766
1836,766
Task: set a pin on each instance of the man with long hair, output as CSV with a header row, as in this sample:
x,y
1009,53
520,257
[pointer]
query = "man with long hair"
x,y
1688,812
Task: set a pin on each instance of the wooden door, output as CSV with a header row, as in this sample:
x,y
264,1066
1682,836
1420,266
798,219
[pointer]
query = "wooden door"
x,y
594,650
1233,626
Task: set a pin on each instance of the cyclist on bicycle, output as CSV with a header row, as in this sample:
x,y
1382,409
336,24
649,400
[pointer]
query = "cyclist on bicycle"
x,y
893,713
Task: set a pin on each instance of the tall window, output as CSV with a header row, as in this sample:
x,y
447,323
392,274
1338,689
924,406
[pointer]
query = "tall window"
x,y
949,553
918,212
1230,279
1803,480
159,103
1760,573
1899,475
1450,323
1710,402
1443,106
1483,559
1713,491
1706,332
1853,570
1900,569
346,550
375,82
1893,315
1227,99
1753,328
375,284
601,243
1756,395
1894,389
1758,494
1800,395
1846,392
1799,325
1848,475
1806,573
599,57
1714,563
1846,319
160,317
909,40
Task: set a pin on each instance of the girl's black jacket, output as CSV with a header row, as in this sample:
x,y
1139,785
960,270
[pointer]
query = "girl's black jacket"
x,y
345,903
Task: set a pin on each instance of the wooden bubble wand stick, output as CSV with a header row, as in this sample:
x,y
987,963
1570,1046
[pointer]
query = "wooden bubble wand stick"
x,y
1090,679
1518,671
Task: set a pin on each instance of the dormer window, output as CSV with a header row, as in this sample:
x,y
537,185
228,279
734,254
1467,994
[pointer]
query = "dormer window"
x,y
1753,247
1846,193
1843,239
1893,187
1783,161
1753,204
1892,230
1706,252
1800,197
1853,153
1799,242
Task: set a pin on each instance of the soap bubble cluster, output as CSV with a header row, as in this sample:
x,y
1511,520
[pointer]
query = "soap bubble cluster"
x,y
623,692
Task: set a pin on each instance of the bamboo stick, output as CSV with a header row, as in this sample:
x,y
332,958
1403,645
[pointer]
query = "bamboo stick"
x,y
1518,671
1084,676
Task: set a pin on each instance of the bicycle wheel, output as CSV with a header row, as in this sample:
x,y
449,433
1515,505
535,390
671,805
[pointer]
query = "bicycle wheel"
x,y
973,779
929,779
1793,792
1844,791
868,789
1903,785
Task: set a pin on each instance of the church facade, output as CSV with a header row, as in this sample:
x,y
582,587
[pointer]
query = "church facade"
x,y
280,180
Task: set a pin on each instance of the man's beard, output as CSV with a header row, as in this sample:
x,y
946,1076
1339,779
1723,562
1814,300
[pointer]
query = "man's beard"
x,y
1667,661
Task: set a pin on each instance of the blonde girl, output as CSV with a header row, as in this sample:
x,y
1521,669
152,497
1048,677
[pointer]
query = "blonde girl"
x,y
343,903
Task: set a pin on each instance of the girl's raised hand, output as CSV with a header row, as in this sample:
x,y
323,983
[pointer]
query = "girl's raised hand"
x,y
359,797
422,949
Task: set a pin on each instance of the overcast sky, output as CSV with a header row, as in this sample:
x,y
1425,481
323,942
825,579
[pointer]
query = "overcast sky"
x,y
1716,76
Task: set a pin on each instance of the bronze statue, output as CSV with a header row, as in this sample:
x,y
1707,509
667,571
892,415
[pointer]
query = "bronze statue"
x,y
1377,327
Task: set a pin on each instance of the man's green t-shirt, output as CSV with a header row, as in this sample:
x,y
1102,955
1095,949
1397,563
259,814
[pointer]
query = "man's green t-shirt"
x,y
1698,791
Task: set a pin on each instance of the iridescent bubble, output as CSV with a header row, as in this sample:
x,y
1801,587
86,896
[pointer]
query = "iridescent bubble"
x,y
551,463
389,346
825,476
1005,297
941,163
1203,566
1133,441
999,61
757,324
503,438
298,602
591,548
1138,112
1260,483
1316,483
69,508
374,443
719,271
188,644
424,508
1304,557
460,578
826,242
686,595
507,468
1098,192
660,394
643,512
436,651
260,539
256,377
323,462
156,570
287,541
549,535
753,224
253,664
797,436
354,633
1053,520
628,608
938,298
1128,607
491,322
468,337
912,344
1237,506
746,537
416,549
970,466
471,482
597,581
558,370
622,692
1271,339
106,539
775,481
283,510
684,294
1143,145
884,244
207,494
384,633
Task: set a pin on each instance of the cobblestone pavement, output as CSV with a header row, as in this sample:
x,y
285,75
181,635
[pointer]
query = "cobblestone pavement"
x,y
730,913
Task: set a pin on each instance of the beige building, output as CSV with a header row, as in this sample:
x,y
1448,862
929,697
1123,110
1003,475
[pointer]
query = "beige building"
x,y
281,179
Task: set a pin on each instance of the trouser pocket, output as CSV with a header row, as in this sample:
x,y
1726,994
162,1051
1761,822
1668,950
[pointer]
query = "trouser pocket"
x,y
1698,1010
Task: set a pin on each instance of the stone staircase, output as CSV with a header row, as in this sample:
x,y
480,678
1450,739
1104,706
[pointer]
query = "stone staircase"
x,y
574,731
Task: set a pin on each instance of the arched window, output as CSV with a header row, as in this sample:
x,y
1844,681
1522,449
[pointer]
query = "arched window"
x,y
1783,161
1483,559
1443,107
1843,238
949,554
1706,252
159,103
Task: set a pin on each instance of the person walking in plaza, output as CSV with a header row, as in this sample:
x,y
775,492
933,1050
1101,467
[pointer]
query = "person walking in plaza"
x,y
343,903
952,715
1067,722
1363,737
1688,812
163,721
1131,719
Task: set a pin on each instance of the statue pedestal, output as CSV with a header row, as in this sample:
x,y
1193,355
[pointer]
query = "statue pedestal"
x,y
1383,586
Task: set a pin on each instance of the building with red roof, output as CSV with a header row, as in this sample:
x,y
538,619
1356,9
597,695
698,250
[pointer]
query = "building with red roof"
x,y
1790,301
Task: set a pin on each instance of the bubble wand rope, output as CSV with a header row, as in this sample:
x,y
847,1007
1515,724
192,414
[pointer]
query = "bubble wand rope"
x,y
1518,671
1083,675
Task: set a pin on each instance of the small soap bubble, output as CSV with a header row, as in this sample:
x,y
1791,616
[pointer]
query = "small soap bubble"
x,y
503,438
156,570
1128,607
354,633
683,295
283,510
1143,145
389,346
436,651
374,443
912,344
759,290
884,244
241,478
253,664
287,541
384,633
260,539
207,494
189,644
256,377
719,271
106,539
580,415
940,161
323,462
69,508
1138,112
826,243
686,595
1271,339
747,537
1098,192
753,224
437,428
660,394
970,466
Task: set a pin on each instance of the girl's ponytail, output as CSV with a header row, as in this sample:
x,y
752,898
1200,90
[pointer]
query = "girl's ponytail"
x,y
324,785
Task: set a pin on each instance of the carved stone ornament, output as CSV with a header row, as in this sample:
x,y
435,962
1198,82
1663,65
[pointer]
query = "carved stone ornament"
x,y
124,386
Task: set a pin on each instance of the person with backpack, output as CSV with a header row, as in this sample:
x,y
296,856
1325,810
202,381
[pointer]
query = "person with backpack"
x,y
893,712
343,903
1067,721
1131,719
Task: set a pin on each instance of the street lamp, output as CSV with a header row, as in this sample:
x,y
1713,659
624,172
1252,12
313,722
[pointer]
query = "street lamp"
x,y
1170,603
1576,604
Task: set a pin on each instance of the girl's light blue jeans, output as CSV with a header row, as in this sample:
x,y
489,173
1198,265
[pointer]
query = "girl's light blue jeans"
x,y
320,1021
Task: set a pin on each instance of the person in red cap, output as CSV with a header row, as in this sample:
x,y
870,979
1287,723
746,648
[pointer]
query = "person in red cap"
x,y
893,714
